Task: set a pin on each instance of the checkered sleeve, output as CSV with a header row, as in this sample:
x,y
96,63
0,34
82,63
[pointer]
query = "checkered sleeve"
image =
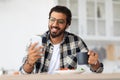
x,y
22,71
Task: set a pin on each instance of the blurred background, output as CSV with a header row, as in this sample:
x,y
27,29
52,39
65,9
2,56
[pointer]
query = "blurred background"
x,y
97,22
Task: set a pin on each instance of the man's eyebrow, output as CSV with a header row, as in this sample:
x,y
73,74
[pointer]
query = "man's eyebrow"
x,y
55,18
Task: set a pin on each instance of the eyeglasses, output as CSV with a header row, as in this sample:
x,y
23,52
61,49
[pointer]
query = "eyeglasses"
x,y
59,21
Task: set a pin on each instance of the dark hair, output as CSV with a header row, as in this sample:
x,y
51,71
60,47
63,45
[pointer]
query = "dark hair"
x,y
64,10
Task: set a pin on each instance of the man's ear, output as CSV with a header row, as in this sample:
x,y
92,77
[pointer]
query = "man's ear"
x,y
67,25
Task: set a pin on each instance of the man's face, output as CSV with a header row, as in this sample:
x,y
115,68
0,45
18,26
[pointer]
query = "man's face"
x,y
57,24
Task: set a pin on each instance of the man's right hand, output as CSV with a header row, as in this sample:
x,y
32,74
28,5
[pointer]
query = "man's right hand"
x,y
33,55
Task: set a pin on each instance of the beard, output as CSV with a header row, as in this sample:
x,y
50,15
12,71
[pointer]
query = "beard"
x,y
56,31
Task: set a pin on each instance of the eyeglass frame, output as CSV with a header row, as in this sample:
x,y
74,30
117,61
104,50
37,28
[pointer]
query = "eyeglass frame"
x,y
52,20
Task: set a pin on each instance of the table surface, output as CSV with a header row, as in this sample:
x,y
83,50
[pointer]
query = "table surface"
x,y
43,76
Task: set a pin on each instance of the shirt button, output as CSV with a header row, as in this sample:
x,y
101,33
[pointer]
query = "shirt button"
x,y
52,48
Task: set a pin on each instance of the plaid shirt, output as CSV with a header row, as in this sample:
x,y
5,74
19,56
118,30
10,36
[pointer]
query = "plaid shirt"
x,y
69,47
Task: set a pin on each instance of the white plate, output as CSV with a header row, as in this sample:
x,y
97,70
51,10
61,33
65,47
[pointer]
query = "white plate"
x,y
69,71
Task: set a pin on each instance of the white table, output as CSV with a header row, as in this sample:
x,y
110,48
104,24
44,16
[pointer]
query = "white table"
x,y
92,76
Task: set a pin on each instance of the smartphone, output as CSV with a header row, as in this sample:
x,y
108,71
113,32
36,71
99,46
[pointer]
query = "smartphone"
x,y
35,39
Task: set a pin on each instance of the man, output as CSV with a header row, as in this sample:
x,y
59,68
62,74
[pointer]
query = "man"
x,y
61,47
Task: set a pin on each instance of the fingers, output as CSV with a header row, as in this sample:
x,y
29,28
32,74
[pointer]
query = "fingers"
x,y
34,52
32,46
33,49
93,57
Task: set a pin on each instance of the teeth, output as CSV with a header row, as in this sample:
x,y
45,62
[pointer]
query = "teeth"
x,y
54,29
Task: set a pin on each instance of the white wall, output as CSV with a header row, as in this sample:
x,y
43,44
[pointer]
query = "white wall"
x,y
19,19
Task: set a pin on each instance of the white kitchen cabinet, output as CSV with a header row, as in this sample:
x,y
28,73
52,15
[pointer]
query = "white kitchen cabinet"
x,y
116,17
95,19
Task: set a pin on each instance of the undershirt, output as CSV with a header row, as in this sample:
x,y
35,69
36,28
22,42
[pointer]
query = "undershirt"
x,y
55,60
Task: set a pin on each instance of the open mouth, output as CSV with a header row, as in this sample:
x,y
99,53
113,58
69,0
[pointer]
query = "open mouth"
x,y
55,29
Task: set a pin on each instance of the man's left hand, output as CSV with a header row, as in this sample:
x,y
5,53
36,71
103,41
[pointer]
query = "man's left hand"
x,y
93,59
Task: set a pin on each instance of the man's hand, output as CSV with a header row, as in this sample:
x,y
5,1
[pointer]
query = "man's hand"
x,y
93,59
34,53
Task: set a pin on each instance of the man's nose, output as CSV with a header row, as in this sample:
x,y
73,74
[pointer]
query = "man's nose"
x,y
55,23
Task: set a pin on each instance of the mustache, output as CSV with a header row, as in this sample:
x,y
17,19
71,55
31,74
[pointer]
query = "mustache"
x,y
55,27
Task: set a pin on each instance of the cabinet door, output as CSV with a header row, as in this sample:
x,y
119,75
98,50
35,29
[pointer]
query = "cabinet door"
x,y
96,18
73,6
116,17
74,9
